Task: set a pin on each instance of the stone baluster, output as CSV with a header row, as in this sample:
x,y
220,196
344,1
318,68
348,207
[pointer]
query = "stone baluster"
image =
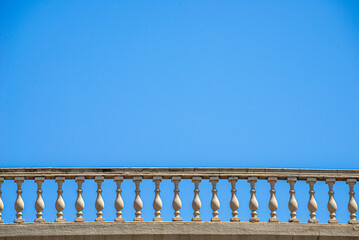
x,y
60,203
119,202
157,202
332,205
234,204
253,203
19,203
79,204
215,205
137,204
352,205
99,204
273,204
196,203
176,204
1,202
39,204
312,204
292,204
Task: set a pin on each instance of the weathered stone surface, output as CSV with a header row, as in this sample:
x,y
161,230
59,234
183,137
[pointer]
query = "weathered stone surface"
x,y
184,173
178,231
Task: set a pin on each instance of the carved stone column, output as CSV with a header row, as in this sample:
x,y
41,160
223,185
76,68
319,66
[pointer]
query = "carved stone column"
x,y
176,204
79,204
1,202
196,204
352,205
119,204
19,203
253,203
60,203
99,204
215,205
137,204
332,205
312,204
234,204
292,205
39,204
273,204
157,202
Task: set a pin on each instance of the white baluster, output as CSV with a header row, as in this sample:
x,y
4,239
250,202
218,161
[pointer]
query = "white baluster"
x,y
60,203
176,204
99,204
292,204
119,202
137,204
253,203
157,202
234,204
215,205
1,202
39,204
352,205
312,204
196,204
79,204
273,204
332,205
19,203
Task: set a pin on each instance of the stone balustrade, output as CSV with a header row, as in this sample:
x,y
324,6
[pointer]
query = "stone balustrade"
x,y
214,175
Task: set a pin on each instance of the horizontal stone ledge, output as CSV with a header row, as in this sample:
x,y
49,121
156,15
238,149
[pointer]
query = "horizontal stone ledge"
x,y
182,230
185,173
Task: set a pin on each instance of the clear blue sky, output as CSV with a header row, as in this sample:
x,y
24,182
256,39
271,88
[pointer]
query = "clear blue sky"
x,y
180,83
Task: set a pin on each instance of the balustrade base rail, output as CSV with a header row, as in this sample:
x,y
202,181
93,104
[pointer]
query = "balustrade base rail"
x,y
178,231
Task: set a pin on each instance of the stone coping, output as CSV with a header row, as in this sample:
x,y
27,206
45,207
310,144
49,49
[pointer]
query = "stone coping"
x,y
184,173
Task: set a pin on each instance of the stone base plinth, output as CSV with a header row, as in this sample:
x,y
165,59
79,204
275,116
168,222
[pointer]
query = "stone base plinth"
x,y
254,219
60,220
313,221
353,221
196,219
273,220
158,219
177,219
215,219
79,219
333,221
293,220
119,220
21,220
39,220
235,219
99,219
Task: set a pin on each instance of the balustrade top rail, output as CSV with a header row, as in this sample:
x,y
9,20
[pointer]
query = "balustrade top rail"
x,y
184,173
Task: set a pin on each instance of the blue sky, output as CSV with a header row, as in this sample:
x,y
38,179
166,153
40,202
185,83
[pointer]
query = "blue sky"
x,y
180,83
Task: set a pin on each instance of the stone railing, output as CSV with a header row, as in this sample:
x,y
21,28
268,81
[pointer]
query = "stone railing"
x,y
232,175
